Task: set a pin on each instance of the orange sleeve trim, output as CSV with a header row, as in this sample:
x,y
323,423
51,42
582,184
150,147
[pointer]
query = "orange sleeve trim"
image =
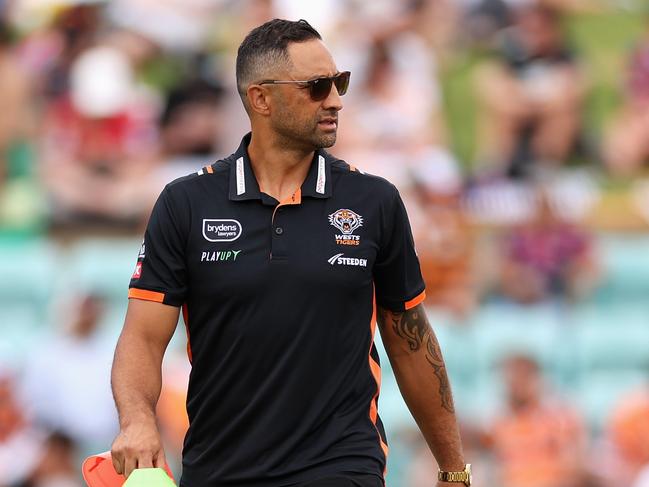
x,y
146,295
209,169
415,301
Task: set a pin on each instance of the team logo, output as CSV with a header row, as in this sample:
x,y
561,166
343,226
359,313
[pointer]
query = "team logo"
x,y
142,252
338,259
221,230
346,221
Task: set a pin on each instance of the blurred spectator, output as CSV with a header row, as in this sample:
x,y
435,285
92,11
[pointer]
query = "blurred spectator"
x,y
66,384
445,241
49,51
21,445
627,432
626,146
532,96
547,257
539,441
58,465
18,199
190,130
99,143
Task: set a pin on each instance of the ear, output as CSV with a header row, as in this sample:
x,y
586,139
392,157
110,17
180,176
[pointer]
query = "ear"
x,y
258,99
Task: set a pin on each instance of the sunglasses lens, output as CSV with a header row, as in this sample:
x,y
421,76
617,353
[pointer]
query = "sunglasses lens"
x,y
320,88
342,82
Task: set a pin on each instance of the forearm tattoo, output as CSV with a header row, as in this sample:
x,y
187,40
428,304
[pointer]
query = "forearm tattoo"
x,y
413,327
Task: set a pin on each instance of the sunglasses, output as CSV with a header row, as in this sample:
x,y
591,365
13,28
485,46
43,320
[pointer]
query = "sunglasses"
x,y
319,88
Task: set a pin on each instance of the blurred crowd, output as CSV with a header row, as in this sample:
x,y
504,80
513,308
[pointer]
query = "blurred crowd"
x,y
104,102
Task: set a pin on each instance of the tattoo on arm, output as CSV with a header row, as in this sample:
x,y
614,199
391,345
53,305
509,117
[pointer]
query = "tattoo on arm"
x,y
413,327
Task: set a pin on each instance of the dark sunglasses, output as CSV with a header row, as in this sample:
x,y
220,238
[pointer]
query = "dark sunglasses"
x,y
319,88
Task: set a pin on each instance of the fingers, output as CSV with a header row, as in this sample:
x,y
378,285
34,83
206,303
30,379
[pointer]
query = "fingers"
x,y
118,461
145,462
160,461
128,454
129,465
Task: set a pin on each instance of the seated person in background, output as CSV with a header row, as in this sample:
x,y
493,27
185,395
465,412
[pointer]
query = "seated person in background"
x,y
191,128
627,434
99,143
547,257
626,145
538,441
531,96
21,444
65,385
445,240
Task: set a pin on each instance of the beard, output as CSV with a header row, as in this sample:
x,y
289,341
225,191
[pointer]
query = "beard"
x,y
303,132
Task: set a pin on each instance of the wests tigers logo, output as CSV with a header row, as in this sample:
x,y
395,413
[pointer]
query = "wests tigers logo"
x,y
346,220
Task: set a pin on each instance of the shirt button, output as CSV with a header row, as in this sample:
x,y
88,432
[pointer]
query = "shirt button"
x,y
279,230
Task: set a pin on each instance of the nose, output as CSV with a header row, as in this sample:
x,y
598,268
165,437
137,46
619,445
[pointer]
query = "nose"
x,y
333,101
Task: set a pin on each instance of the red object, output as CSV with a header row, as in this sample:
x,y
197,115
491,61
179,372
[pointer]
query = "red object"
x,y
138,270
98,471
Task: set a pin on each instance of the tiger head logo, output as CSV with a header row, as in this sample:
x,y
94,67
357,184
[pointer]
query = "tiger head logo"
x,y
346,220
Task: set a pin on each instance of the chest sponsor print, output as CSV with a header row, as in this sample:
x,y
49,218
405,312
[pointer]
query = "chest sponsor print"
x,y
221,230
220,256
340,259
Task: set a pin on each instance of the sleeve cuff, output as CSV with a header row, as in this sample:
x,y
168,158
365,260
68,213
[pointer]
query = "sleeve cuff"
x,y
146,295
415,301
400,305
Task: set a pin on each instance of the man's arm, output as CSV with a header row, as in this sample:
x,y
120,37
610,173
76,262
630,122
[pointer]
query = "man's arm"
x,y
420,371
136,380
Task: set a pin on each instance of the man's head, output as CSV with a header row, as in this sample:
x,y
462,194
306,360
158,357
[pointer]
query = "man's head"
x,y
287,51
523,381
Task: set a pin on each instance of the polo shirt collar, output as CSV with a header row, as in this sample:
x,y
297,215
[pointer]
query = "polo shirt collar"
x,y
244,185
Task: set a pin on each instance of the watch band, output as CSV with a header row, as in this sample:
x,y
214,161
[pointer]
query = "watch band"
x,y
463,477
453,476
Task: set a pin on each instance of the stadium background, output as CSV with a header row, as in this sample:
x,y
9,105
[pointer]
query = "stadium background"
x,y
526,253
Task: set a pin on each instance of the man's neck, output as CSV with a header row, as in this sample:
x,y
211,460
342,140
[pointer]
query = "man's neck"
x,y
280,170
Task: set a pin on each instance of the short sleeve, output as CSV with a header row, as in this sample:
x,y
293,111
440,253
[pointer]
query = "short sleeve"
x,y
160,272
398,283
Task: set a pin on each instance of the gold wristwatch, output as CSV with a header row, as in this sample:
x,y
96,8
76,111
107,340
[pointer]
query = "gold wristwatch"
x,y
460,477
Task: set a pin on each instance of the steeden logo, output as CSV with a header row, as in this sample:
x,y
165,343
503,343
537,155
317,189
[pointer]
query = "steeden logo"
x,y
217,230
338,259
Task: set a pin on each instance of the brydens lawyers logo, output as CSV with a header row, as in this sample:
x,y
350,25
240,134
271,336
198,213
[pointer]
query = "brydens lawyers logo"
x,y
138,271
221,230
338,259
346,221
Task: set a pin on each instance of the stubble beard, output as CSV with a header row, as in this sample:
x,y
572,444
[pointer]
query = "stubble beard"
x,y
308,135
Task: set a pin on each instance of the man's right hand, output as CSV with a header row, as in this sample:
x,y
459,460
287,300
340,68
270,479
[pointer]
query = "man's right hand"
x,y
138,446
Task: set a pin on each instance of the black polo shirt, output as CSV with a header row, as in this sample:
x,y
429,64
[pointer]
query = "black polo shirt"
x,y
279,300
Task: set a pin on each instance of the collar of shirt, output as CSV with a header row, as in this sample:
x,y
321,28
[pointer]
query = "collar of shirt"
x,y
244,185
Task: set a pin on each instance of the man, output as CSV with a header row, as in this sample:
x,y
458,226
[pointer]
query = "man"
x,y
539,440
282,257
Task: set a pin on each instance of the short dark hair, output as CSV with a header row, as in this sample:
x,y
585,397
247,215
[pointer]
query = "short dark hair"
x,y
266,46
